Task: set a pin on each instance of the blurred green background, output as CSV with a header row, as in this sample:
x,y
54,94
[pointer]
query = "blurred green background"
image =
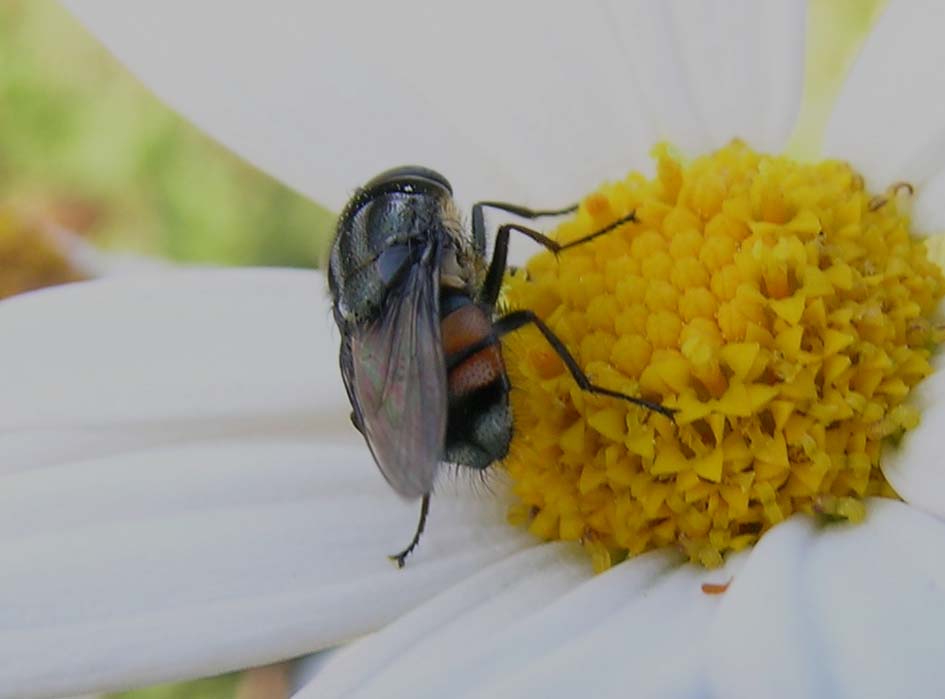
x,y
83,144
82,141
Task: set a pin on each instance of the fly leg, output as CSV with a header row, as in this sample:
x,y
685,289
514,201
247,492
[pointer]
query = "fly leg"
x,y
500,253
518,319
399,558
479,220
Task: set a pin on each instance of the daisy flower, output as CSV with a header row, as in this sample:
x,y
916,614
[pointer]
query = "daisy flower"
x,y
182,492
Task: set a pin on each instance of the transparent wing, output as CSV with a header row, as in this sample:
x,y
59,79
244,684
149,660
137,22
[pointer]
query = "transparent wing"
x,y
396,378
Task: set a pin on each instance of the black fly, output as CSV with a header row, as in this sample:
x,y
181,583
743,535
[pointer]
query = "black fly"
x,y
415,301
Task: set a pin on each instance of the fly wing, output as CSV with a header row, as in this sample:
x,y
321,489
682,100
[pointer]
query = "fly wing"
x,y
396,379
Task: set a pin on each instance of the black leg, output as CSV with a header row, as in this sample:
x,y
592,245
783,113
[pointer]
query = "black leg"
x,y
517,319
496,272
479,221
399,558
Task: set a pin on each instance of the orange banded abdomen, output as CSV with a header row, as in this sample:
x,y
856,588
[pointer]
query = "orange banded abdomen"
x,y
466,326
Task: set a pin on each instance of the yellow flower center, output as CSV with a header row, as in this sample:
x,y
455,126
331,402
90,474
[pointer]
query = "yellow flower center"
x,y
29,259
782,310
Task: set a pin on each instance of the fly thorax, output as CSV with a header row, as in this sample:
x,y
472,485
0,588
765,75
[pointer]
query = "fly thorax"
x,y
453,274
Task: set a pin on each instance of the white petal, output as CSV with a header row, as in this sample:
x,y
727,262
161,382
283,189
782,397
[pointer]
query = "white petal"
x,y
108,365
202,558
915,467
710,72
306,668
842,611
540,624
91,261
889,119
531,102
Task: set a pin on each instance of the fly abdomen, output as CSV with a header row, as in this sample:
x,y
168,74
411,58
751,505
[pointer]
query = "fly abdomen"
x,y
463,328
472,351
479,427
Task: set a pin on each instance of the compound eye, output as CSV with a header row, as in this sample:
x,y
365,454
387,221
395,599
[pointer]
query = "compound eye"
x,y
407,173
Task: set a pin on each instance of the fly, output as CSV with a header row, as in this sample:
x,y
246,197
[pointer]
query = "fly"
x,y
415,300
